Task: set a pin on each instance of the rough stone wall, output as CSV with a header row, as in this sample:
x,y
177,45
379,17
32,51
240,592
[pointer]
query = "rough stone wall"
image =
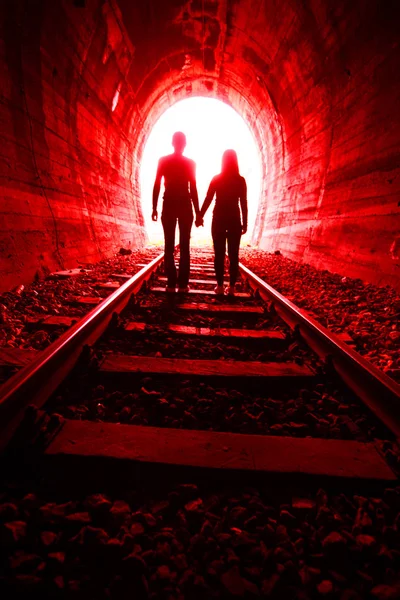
x,y
338,203
65,159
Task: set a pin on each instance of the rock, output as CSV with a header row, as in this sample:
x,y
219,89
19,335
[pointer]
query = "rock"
x,y
238,514
251,524
137,529
188,491
91,536
392,498
206,529
59,582
334,541
180,562
322,497
134,564
30,501
325,587
287,518
57,557
236,585
52,512
165,574
324,516
269,585
367,542
160,508
81,517
125,414
363,522
338,577
386,592
125,251
8,512
115,549
98,504
22,561
48,538
282,533
13,533
194,507
145,518
120,510
303,504
308,574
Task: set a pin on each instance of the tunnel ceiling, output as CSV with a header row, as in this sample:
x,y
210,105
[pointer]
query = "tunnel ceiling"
x,y
316,81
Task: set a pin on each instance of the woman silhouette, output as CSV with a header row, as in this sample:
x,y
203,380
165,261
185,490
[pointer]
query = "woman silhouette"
x,y
227,224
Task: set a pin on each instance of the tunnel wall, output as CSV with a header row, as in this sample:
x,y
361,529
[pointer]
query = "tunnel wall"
x,y
335,202
65,157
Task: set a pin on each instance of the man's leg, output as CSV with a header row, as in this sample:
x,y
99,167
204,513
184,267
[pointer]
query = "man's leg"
x,y
219,241
185,227
169,226
234,235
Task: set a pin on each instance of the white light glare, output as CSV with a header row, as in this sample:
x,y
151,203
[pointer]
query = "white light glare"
x,y
211,127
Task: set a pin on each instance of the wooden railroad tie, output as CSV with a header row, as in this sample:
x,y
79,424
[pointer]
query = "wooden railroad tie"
x,y
85,300
107,285
51,323
214,451
16,357
220,308
197,292
68,273
123,276
201,268
126,364
196,281
218,332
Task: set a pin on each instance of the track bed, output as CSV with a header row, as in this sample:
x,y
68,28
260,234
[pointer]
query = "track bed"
x,y
181,452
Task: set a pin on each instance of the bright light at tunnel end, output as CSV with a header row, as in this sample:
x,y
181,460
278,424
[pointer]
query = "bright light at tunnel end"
x,y
211,127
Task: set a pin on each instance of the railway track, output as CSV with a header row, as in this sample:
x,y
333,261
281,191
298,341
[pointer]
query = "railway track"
x,y
196,447
238,386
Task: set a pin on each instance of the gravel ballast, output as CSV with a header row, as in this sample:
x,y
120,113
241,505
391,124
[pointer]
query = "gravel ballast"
x,y
369,314
191,542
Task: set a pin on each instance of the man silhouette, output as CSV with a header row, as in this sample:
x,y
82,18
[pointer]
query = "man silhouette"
x,y
180,192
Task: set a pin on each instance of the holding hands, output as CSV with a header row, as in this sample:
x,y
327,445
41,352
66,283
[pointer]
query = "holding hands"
x,y
199,220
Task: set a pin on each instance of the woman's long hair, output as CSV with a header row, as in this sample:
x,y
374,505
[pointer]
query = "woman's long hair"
x,y
230,165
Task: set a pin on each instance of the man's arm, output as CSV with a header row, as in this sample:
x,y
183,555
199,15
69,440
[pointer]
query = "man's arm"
x,y
193,190
156,190
243,206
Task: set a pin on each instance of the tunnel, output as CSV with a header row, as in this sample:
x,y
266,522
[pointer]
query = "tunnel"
x,y
83,82
218,420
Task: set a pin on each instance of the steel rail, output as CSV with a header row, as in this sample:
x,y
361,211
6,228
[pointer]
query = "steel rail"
x,y
378,391
35,383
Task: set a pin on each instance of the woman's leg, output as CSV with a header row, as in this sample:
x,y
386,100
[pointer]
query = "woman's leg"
x,y
219,241
234,235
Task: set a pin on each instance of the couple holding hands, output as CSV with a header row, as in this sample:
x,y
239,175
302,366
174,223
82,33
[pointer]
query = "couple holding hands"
x,y
229,221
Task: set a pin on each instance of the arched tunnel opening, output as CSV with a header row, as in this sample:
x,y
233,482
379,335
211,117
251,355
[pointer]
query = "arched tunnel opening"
x,y
211,127
85,81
